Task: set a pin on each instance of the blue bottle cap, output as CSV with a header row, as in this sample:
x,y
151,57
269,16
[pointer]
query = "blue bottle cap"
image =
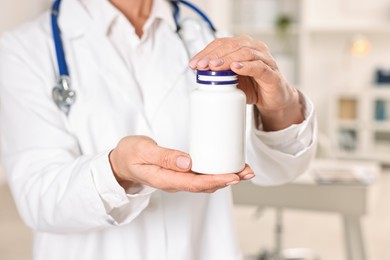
x,y
211,77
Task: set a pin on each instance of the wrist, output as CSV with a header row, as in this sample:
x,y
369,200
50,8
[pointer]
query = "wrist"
x,y
281,118
126,184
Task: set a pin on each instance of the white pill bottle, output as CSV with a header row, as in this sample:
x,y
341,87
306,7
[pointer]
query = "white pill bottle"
x,y
217,123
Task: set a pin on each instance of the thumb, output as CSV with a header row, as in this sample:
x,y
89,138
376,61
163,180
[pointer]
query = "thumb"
x,y
169,158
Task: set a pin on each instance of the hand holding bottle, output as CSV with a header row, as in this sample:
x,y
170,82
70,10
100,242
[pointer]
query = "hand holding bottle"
x,y
139,160
259,77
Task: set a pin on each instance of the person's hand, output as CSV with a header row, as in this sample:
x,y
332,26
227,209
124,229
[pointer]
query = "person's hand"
x,y
259,77
139,160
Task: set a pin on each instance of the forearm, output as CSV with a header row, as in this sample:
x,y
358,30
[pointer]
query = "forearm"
x,y
62,196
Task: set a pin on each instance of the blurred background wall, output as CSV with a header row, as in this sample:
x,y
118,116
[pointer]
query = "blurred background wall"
x,y
14,12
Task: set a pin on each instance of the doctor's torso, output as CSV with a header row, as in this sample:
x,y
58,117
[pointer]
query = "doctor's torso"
x,y
119,76
127,86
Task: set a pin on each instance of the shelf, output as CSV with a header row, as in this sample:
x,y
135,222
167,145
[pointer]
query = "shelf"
x,y
262,30
380,91
376,156
362,125
369,28
380,126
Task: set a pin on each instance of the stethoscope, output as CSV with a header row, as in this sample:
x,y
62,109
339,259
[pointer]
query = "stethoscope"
x,y
63,94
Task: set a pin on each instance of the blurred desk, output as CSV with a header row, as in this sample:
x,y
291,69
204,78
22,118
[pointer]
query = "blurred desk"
x,y
352,201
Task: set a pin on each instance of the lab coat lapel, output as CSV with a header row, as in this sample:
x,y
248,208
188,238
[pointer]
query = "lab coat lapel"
x,y
107,95
171,64
73,19
91,45
113,68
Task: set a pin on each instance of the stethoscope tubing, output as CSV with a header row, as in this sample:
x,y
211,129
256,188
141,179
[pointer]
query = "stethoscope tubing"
x,y
176,14
61,60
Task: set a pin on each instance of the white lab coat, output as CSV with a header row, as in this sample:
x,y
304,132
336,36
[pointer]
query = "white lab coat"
x,y
58,166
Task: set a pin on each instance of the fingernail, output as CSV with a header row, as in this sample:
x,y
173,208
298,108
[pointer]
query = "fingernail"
x,y
203,63
183,162
248,176
193,63
232,183
216,62
237,65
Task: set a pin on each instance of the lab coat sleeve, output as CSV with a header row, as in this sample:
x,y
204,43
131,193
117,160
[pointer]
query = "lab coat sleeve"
x,y
119,204
280,156
55,187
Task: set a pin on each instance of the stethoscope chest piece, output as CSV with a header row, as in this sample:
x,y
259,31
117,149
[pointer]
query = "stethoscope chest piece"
x,y
63,95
